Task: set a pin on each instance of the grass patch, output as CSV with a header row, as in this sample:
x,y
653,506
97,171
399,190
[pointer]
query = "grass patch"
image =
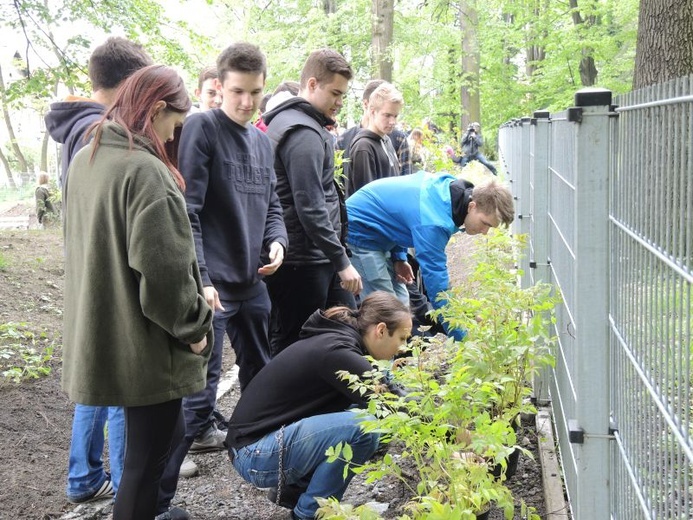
x,y
17,194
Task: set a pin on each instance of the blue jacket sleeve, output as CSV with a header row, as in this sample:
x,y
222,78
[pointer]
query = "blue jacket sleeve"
x,y
430,243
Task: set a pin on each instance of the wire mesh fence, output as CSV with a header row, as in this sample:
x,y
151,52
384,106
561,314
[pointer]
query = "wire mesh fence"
x,y
606,194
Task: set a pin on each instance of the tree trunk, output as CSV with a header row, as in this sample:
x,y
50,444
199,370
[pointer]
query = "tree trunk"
x,y
452,90
44,143
535,53
8,170
664,49
330,6
381,40
469,90
588,69
44,152
10,129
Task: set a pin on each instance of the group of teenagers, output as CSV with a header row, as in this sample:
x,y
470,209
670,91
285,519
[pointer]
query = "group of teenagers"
x,y
182,228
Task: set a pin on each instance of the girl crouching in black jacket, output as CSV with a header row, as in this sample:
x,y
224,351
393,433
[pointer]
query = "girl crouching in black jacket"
x,y
295,408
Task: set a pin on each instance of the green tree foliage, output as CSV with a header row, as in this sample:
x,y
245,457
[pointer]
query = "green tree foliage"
x,y
528,52
531,52
51,51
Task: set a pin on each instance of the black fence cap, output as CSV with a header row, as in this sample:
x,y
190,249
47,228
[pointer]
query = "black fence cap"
x,y
593,96
542,114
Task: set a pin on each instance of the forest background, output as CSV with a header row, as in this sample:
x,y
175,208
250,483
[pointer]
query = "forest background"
x,y
455,61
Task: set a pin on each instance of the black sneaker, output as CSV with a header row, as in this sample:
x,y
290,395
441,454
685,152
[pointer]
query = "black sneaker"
x,y
175,513
222,422
290,495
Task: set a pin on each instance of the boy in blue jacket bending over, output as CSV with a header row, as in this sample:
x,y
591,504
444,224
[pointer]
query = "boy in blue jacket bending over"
x,y
422,211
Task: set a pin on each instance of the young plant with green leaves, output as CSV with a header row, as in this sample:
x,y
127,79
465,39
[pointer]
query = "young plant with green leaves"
x,y
458,421
21,354
442,433
507,326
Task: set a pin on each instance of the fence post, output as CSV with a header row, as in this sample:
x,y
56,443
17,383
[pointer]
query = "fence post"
x,y
539,224
589,430
522,194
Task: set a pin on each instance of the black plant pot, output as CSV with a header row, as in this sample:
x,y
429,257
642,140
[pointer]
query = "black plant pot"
x,y
512,460
484,515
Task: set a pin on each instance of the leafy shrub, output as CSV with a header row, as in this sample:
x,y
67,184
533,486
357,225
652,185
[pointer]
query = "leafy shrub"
x,y
458,420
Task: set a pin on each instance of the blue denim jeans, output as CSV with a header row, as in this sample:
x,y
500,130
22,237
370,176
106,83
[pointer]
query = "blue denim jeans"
x,y
305,443
85,470
377,273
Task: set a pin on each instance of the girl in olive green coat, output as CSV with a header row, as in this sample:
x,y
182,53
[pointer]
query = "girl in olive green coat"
x,y
136,322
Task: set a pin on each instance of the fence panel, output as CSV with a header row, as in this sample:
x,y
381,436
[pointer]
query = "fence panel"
x,y
611,225
651,304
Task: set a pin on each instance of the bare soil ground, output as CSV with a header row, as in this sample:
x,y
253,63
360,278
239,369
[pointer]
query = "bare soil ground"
x,y
35,415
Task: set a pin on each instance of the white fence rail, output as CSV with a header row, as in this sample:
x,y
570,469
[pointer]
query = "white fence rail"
x,y
605,193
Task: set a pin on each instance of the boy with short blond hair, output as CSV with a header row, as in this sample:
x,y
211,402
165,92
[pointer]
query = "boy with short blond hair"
x,y
372,154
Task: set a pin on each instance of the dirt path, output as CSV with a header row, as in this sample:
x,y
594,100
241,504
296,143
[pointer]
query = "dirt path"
x,y
35,416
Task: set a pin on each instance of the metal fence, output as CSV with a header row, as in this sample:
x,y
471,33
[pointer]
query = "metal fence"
x,y
605,193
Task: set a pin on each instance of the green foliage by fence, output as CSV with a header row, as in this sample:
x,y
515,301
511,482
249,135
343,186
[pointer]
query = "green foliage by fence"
x,y
459,420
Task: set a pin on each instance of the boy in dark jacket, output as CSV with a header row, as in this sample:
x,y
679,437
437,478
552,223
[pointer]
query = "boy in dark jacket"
x,y
471,149
397,137
237,225
317,270
109,65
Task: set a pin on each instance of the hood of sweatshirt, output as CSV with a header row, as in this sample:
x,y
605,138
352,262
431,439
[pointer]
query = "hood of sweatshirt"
x,y
318,323
65,115
460,196
301,104
364,133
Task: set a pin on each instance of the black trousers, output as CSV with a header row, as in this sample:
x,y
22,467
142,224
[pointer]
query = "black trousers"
x,y
150,432
298,291
246,323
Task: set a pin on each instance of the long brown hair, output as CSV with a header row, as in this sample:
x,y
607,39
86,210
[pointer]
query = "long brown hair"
x,y
133,109
377,307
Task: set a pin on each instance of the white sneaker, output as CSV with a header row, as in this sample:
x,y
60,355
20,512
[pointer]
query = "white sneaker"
x,y
212,439
188,468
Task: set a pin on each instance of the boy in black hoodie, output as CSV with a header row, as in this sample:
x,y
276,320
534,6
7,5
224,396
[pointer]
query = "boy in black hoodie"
x,y
109,65
297,407
372,154
316,271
